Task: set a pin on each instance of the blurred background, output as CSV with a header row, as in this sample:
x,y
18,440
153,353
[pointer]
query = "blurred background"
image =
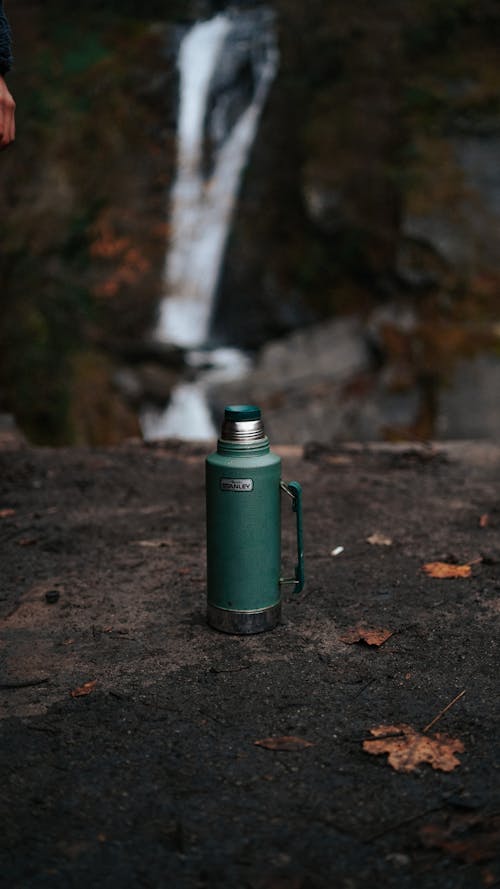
x,y
294,204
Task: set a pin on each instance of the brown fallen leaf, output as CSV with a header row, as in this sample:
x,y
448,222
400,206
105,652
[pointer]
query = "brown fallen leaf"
x,y
84,689
407,748
444,569
27,541
285,742
373,636
377,539
5,513
484,520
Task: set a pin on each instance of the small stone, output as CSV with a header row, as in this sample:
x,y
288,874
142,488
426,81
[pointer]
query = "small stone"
x,y
52,596
398,858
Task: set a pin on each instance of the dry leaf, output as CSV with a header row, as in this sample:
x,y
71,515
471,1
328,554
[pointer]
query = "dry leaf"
x,y
84,689
407,748
484,520
285,742
377,539
5,513
375,636
444,569
27,541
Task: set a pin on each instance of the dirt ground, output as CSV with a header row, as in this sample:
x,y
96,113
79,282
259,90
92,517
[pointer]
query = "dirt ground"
x,y
148,774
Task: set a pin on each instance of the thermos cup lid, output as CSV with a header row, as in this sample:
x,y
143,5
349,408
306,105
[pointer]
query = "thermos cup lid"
x,y
240,412
242,424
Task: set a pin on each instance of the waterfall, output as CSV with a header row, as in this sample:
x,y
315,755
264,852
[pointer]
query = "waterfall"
x,y
214,58
226,66
195,237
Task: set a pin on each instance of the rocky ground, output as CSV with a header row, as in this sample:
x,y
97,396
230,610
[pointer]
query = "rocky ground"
x,y
129,728
387,377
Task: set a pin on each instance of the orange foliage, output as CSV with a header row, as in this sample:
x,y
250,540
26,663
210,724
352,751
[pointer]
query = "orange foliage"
x,y
129,264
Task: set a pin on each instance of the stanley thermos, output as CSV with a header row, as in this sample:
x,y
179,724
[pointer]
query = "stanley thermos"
x,y
243,488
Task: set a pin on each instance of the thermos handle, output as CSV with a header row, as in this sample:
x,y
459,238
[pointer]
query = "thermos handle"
x,y
294,490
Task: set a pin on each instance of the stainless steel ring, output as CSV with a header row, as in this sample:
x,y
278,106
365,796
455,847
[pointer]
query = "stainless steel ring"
x,y
243,623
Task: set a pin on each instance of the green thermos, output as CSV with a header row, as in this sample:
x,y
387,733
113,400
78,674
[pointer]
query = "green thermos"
x,y
243,488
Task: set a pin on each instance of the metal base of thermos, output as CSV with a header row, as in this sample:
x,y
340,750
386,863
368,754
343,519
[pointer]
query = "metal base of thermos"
x,y
243,623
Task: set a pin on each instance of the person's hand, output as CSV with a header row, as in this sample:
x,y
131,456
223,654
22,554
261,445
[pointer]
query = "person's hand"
x,y
7,118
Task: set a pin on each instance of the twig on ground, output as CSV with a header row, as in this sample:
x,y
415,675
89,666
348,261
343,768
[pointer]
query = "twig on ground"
x,y
362,691
443,711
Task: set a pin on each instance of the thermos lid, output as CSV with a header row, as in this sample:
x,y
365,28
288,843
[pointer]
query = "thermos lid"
x,y
242,412
242,424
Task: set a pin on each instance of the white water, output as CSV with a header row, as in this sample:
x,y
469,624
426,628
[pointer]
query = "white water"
x,y
188,415
201,209
187,410
194,254
201,212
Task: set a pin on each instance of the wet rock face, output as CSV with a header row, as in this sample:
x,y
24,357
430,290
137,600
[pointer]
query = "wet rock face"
x,y
469,403
463,232
374,181
348,380
304,380
333,351
377,143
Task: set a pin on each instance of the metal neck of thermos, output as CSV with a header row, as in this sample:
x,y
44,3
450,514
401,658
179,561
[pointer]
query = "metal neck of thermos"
x,y
243,424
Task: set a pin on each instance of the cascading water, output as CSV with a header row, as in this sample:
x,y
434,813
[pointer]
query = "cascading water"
x,y
226,67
